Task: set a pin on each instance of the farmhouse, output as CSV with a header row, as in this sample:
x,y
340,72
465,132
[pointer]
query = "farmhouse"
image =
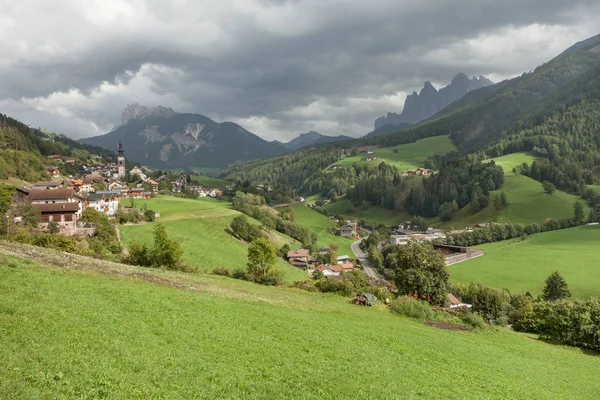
x,y
46,185
343,259
327,270
53,171
299,258
456,254
104,202
58,205
348,231
456,303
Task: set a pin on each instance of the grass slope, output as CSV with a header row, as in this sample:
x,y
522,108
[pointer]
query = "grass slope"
x,y
370,213
210,182
199,225
527,201
524,265
69,334
318,223
409,156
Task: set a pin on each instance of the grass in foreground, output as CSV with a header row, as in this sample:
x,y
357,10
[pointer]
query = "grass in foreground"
x,y
524,266
86,335
318,223
409,156
199,225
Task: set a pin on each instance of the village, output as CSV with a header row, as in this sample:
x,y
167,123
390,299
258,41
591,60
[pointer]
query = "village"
x,y
99,185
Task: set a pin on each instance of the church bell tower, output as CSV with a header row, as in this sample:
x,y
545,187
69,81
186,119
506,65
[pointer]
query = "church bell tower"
x,y
121,162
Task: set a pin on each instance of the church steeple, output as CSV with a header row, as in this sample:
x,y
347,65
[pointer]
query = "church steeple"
x,y
121,161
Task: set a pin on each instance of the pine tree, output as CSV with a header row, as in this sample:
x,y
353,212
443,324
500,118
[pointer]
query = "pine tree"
x,y
556,288
578,212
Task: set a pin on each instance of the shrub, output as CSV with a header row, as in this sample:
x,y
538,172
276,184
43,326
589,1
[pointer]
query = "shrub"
x,y
412,308
149,216
53,227
221,271
343,288
473,319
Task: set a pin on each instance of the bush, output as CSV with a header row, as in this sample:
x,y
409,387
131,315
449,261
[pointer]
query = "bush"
x,y
492,304
343,288
221,271
474,320
149,216
166,252
53,227
412,308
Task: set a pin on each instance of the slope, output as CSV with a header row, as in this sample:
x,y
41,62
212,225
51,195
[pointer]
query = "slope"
x,y
319,224
523,266
200,227
527,201
111,334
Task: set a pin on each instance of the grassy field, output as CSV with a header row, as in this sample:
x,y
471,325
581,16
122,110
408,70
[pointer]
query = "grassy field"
x,y
199,225
524,265
318,223
375,214
409,156
210,182
527,201
68,334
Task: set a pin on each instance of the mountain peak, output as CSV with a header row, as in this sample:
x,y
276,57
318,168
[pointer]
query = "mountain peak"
x,y
136,111
429,101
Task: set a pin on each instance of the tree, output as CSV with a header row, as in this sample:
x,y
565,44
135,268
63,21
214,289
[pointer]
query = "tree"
x,y
447,210
167,252
29,214
549,187
503,200
53,227
420,269
578,212
261,258
556,288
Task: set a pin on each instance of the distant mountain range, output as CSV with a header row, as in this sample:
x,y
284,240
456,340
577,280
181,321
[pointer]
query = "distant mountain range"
x,y
385,129
163,138
418,107
312,138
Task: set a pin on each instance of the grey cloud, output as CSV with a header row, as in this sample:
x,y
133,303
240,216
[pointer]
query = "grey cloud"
x,y
242,63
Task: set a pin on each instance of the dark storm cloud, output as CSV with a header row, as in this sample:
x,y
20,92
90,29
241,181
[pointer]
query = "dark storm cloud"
x,y
268,60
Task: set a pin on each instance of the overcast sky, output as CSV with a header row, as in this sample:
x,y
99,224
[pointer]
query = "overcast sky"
x,y
276,67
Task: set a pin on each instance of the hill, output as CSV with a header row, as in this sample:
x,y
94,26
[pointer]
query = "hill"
x,y
311,138
527,201
162,138
389,128
319,224
523,266
198,336
419,107
200,227
23,150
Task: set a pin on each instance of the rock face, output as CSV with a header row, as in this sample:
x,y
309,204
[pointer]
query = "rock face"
x,y
135,111
418,107
162,138
312,138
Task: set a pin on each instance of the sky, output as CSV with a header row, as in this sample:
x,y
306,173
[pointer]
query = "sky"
x,y
276,67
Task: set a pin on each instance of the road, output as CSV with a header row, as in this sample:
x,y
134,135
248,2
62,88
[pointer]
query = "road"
x,y
364,258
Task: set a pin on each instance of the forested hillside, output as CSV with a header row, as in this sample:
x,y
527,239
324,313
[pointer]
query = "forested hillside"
x,y
23,150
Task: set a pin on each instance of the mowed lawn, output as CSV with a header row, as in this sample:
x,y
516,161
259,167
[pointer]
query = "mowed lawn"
x,y
200,226
527,201
523,266
318,223
409,156
66,334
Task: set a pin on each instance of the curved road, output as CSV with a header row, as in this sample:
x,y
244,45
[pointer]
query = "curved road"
x,y
363,257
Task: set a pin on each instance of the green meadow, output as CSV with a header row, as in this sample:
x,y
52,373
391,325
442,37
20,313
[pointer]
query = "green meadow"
x,y
408,156
522,266
210,182
200,226
527,201
318,223
370,213
73,334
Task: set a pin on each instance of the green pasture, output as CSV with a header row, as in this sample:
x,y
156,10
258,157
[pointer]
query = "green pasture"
x,y
318,223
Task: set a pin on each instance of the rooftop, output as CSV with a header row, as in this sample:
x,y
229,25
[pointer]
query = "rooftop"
x,y
45,194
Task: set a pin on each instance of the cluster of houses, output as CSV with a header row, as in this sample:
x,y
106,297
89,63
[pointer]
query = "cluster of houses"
x,y
407,231
418,172
107,170
302,258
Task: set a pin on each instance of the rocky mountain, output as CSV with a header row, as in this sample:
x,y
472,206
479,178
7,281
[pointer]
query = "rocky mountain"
x,y
418,107
385,129
312,138
162,138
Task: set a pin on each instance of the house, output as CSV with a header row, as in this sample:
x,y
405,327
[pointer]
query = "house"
x,y
176,187
347,267
56,205
137,171
20,195
299,257
76,184
456,303
46,185
324,250
139,193
92,179
347,231
104,202
53,171
153,185
95,157
71,161
327,270
54,157
343,259
115,185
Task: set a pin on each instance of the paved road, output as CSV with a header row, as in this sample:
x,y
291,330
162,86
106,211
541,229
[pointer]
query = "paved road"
x,y
364,258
